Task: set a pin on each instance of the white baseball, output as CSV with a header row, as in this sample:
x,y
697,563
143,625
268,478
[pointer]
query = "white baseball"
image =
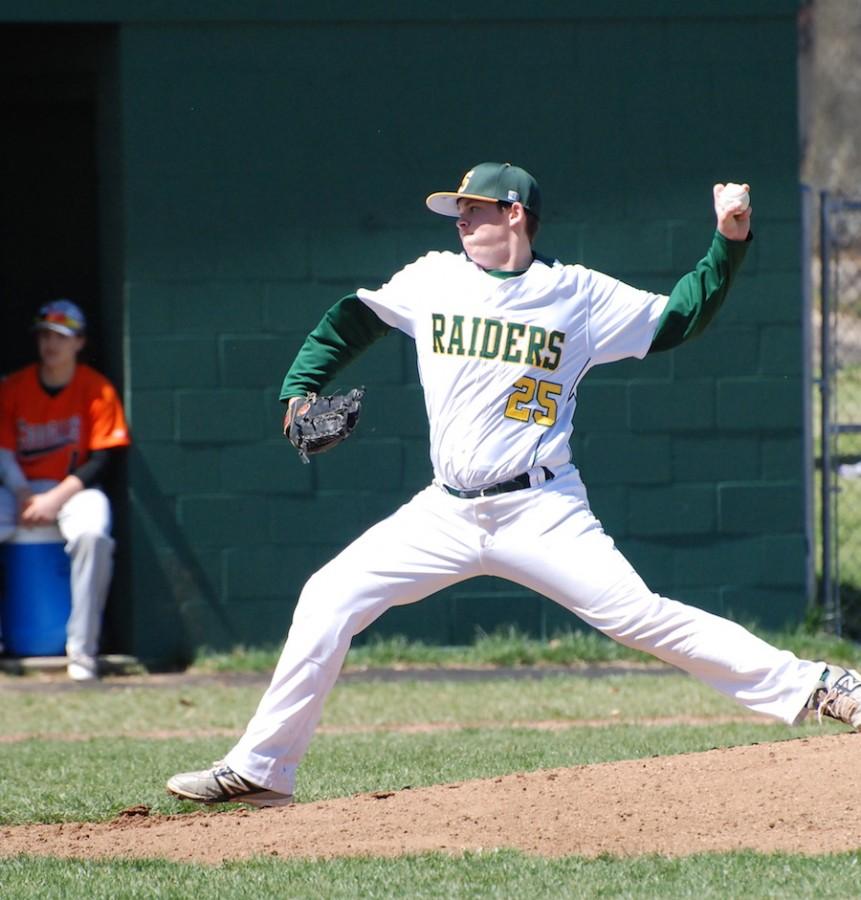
x,y
736,196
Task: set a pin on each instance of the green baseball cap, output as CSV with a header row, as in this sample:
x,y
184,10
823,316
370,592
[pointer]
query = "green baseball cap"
x,y
490,181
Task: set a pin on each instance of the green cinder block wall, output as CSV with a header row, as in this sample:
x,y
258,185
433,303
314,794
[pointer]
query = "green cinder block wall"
x,y
270,166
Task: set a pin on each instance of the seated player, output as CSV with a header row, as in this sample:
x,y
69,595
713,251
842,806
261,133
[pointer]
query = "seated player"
x,y
61,425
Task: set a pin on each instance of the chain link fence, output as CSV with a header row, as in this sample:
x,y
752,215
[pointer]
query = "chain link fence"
x,y
838,446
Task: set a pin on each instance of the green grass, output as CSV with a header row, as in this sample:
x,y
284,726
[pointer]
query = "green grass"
x,y
96,711
133,711
493,874
119,754
510,647
506,647
93,781
555,697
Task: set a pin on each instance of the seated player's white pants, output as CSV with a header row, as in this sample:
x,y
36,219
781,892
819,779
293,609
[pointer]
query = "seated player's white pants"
x,y
544,538
85,524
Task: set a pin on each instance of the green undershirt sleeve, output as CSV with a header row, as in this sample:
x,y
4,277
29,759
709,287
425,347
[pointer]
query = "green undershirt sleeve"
x,y
344,333
697,296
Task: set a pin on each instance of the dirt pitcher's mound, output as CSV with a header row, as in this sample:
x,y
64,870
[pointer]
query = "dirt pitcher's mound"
x,y
798,796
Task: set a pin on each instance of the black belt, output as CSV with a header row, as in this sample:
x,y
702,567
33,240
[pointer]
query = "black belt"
x,y
504,487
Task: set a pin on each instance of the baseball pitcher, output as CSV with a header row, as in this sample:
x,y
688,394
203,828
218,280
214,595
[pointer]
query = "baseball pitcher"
x,y
504,338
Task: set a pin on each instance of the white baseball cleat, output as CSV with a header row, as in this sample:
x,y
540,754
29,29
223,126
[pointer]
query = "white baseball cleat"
x,y
838,696
82,668
222,785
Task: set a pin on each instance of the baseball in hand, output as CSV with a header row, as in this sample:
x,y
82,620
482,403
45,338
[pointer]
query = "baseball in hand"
x,y
734,195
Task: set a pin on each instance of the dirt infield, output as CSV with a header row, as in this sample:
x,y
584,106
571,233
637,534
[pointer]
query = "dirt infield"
x,y
798,796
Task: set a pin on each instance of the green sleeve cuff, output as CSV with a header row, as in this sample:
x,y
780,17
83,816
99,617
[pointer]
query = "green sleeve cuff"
x,y
344,333
697,296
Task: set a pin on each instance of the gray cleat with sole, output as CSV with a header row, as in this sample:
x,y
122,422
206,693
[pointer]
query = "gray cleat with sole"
x,y
838,696
222,785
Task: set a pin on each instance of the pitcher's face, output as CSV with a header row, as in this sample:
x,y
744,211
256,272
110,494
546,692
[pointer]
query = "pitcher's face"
x,y
484,230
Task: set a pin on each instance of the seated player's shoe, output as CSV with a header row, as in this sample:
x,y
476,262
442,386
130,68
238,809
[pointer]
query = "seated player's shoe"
x,y
82,668
222,785
838,696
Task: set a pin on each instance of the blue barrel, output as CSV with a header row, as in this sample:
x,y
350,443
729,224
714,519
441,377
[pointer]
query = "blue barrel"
x,y
36,598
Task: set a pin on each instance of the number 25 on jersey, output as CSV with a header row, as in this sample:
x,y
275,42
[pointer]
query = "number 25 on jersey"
x,y
525,391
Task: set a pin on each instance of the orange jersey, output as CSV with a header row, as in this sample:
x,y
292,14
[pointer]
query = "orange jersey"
x,y
52,436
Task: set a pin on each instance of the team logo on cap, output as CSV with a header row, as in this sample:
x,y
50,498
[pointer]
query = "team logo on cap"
x,y
67,320
465,181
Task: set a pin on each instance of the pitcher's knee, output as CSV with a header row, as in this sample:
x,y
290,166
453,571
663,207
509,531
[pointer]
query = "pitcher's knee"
x,y
330,612
327,591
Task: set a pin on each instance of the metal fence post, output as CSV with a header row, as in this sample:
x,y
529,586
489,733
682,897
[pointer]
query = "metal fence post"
x,y
830,603
809,379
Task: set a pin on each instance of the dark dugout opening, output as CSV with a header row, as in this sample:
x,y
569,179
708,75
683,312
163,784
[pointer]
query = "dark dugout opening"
x,y
59,211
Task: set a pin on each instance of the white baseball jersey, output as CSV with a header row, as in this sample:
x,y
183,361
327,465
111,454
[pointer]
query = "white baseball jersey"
x,y
500,359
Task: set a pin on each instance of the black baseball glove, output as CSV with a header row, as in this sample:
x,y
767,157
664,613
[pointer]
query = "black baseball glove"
x,y
316,424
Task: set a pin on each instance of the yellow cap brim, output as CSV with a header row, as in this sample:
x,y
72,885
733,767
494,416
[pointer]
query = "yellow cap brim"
x,y
445,202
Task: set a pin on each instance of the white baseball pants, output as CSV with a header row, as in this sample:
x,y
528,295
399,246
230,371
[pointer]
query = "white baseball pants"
x,y
85,524
545,538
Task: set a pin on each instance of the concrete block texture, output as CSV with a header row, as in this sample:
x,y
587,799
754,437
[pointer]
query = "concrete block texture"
x,y
256,187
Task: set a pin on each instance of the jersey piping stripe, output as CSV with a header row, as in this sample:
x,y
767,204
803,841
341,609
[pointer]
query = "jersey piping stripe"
x,y
537,448
579,378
